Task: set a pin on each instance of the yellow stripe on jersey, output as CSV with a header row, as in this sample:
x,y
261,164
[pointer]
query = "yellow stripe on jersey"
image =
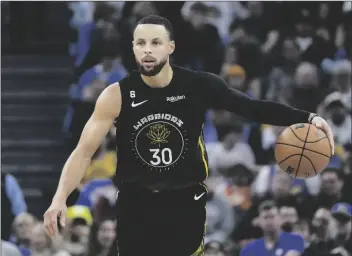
x,y
202,148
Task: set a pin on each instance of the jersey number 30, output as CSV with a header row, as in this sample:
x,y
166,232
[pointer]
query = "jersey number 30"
x,y
161,156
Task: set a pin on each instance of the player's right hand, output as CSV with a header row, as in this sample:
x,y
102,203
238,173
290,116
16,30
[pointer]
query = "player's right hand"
x,y
57,208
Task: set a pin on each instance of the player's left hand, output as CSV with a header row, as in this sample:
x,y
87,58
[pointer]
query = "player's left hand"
x,y
320,123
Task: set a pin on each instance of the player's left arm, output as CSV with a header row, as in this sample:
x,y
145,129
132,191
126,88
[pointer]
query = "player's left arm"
x,y
219,95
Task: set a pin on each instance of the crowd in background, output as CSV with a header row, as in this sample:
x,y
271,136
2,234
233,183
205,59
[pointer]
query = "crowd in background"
x,y
291,52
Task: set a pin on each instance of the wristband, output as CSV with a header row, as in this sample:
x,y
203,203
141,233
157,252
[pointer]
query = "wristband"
x,y
311,116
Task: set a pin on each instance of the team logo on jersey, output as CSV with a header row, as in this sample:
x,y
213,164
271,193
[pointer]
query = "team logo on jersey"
x,y
158,133
159,141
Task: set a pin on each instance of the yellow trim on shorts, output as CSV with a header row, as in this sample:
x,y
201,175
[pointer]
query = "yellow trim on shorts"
x,y
200,250
202,148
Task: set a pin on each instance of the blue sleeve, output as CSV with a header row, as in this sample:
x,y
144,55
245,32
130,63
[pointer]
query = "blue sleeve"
x,y
83,42
86,78
297,243
245,250
83,198
15,195
210,133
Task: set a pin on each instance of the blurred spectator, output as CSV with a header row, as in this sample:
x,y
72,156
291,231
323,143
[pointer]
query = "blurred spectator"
x,y
91,34
231,149
223,14
274,241
102,238
230,60
206,57
304,188
314,44
261,25
341,80
97,180
220,220
342,213
90,85
214,249
280,193
289,218
280,79
336,114
321,241
237,188
332,181
77,229
95,79
235,76
306,91
347,188
302,228
22,231
12,200
126,28
43,245
8,249
249,55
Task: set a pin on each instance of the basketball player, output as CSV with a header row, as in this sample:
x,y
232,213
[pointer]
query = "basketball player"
x,y
159,112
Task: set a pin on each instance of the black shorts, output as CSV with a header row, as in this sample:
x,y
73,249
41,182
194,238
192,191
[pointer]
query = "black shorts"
x,y
165,223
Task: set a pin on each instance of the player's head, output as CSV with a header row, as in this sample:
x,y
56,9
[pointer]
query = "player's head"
x,y
332,181
321,222
282,185
342,213
289,217
153,43
269,217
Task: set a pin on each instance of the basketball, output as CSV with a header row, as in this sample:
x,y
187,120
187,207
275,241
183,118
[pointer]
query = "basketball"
x,y
302,151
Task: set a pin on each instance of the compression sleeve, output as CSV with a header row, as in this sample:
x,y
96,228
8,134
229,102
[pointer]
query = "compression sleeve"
x,y
218,95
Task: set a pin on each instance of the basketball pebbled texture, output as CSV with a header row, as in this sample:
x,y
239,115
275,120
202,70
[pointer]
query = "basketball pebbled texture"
x,y
302,150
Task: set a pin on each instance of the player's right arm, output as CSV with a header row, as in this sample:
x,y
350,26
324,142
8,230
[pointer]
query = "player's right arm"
x,y
107,109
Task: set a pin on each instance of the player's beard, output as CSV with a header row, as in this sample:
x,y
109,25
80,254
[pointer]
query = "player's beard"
x,y
154,71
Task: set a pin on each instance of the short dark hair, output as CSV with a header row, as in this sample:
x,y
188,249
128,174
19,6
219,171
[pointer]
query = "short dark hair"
x,y
158,20
266,205
339,172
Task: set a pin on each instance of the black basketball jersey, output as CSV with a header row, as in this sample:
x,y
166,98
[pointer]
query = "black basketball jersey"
x,y
159,132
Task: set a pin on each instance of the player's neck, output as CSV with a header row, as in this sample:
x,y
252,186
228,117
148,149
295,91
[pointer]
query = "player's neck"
x,y
271,238
162,79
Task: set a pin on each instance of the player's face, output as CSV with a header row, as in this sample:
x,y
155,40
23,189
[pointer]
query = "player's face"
x,y
321,222
270,219
282,184
106,234
151,47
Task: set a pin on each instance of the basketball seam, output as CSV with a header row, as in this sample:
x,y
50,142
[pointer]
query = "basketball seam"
x,y
311,163
288,158
306,141
302,156
286,144
300,159
317,140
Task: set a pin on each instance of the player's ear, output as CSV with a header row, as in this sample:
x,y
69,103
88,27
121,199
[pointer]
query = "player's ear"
x,y
133,46
172,47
